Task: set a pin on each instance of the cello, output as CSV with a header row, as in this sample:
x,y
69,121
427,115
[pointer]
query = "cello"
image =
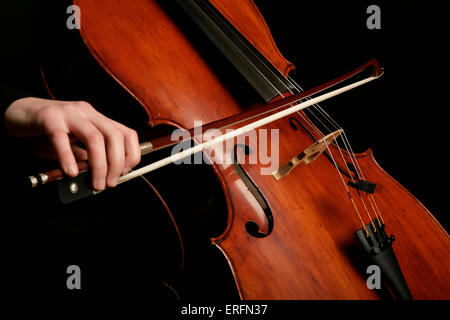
x,y
290,234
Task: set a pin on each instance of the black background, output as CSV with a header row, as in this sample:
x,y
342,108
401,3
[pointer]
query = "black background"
x,y
402,115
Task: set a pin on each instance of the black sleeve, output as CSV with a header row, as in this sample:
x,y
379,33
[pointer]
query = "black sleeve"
x,y
20,53
9,95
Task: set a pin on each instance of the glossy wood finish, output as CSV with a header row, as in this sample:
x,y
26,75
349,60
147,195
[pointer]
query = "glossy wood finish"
x,y
247,19
145,51
312,252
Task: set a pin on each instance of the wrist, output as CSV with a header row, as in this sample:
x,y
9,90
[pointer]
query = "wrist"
x,y
19,117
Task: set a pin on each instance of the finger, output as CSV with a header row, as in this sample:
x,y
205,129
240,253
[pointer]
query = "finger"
x,y
115,146
95,145
132,148
52,121
61,144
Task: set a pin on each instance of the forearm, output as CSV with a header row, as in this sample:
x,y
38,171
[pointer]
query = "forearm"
x,y
7,97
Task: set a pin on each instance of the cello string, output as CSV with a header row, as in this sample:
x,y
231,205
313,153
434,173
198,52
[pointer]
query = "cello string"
x,y
349,150
292,83
239,131
340,175
267,80
264,77
252,64
339,172
345,163
308,121
352,155
315,106
238,49
344,135
336,126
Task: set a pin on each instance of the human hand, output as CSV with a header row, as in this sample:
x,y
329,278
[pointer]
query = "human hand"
x,y
112,149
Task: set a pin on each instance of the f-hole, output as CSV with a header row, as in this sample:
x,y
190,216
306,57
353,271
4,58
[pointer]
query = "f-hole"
x,y
251,226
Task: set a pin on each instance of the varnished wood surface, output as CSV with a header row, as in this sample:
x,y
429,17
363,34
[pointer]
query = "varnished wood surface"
x,y
312,252
248,20
145,51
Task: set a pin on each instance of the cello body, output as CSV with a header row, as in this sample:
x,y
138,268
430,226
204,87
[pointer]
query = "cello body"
x,y
306,247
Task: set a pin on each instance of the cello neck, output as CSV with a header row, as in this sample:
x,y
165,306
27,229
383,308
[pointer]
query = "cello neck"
x,y
260,73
